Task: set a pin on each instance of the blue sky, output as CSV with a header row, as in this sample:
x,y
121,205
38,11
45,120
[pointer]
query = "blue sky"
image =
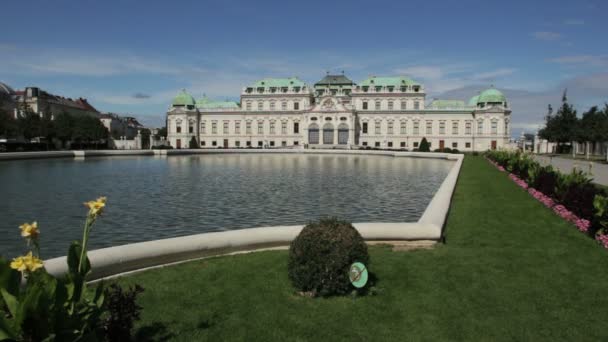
x,y
131,57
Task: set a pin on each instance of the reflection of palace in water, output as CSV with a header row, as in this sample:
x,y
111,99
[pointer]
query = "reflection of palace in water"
x,y
380,112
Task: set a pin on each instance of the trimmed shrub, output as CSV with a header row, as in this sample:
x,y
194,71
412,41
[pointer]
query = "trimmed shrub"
x,y
424,146
193,143
545,181
579,199
123,310
320,257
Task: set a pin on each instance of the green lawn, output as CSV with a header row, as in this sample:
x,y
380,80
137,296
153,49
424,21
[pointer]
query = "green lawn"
x,y
510,270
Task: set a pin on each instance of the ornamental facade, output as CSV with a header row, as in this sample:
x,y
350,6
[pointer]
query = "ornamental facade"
x,y
379,112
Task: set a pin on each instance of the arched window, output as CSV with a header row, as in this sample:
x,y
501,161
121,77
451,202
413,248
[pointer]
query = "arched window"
x,y
328,134
313,134
343,134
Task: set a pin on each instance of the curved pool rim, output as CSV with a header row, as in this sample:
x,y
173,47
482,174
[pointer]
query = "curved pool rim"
x,y
124,259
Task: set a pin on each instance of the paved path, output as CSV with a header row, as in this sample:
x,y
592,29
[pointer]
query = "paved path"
x,y
599,172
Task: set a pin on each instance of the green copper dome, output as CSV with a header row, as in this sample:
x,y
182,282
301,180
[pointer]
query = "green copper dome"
x,y
389,81
473,100
183,99
491,96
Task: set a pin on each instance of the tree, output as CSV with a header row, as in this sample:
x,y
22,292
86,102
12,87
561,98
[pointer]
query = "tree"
x,y
64,125
424,146
8,125
193,143
562,127
162,132
29,125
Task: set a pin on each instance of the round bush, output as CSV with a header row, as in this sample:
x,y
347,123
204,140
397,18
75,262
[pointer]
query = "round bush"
x,y
320,257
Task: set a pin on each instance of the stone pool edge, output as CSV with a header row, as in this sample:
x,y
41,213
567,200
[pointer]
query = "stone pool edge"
x,y
124,259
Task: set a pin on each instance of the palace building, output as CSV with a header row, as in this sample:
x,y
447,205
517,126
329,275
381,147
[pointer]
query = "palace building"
x,y
379,112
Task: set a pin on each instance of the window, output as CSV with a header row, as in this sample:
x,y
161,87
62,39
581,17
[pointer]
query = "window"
x,y
416,127
377,127
272,143
260,144
377,144
415,144
378,105
441,127
416,105
454,145
203,143
429,127
248,105
225,128
237,143
403,128
214,143
390,144
296,127
467,128
248,144
480,127
283,127
248,127
296,105
402,144
178,127
260,127
390,105
271,105
364,143
296,143
364,128
237,127
467,145
214,127
364,104
283,143
455,127
260,105
403,105
191,127
284,105
390,127
494,126
272,127
202,127
506,126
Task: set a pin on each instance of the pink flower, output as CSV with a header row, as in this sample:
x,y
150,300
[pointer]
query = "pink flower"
x,y
602,239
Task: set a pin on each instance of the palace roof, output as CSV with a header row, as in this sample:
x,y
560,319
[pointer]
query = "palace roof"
x,y
207,103
278,83
446,104
389,81
335,80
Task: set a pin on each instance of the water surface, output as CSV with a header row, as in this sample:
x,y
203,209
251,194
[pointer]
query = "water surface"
x,y
153,197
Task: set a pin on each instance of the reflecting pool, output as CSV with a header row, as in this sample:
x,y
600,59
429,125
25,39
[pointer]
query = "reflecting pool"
x,y
158,197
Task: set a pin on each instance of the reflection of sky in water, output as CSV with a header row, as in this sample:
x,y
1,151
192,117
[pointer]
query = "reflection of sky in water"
x,y
151,198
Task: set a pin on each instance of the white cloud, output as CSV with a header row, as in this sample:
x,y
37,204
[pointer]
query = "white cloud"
x,y
491,75
546,35
586,60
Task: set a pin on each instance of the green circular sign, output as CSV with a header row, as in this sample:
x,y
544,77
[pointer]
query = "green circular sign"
x,y
358,275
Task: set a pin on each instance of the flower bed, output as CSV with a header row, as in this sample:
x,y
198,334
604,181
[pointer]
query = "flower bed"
x,y
572,193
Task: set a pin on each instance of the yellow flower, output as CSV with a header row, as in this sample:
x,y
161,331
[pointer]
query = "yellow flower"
x,y
30,230
28,263
96,206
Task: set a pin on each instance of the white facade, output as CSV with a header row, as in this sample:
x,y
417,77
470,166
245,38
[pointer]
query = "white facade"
x,y
383,112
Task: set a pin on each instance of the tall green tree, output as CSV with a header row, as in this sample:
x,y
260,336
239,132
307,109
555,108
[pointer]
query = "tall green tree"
x,y
562,127
64,125
8,125
29,125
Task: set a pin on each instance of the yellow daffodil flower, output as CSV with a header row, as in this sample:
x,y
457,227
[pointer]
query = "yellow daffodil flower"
x,y
96,206
30,230
28,263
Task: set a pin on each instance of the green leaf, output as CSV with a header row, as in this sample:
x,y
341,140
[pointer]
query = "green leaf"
x,y
74,259
12,303
7,332
10,279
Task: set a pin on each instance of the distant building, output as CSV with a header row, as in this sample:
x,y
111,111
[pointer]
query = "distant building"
x,y
120,127
379,112
49,105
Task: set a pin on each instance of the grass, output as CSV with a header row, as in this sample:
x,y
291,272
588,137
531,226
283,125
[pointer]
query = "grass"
x,y
510,270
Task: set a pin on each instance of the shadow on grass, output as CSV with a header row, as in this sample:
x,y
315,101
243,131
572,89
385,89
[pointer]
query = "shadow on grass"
x,y
153,332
